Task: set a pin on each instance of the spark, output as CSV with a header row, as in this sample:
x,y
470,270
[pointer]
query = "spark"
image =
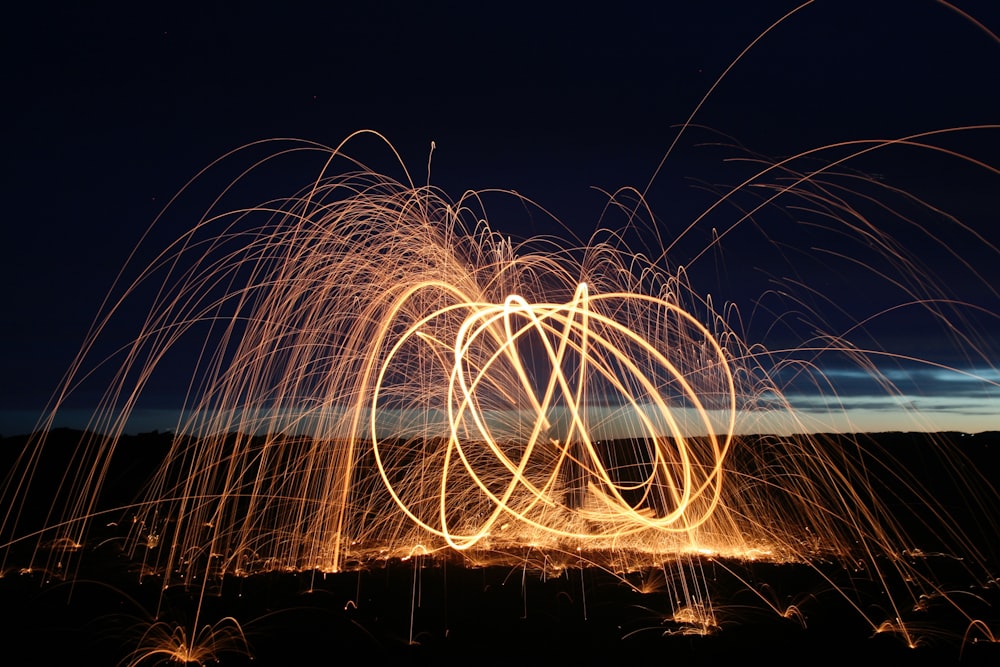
x,y
381,379
379,374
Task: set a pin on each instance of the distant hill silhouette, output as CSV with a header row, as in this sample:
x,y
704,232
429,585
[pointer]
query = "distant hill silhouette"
x,y
949,466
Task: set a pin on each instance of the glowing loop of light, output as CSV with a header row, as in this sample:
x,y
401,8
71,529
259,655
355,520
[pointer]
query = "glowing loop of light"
x,y
572,335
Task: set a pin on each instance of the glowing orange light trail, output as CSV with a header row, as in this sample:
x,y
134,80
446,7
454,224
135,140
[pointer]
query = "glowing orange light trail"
x,y
372,380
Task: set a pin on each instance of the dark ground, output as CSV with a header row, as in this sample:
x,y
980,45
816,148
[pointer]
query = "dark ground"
x,y
429,611
460,615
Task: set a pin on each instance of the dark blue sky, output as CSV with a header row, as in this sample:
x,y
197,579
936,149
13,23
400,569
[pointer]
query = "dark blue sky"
x,y
110,109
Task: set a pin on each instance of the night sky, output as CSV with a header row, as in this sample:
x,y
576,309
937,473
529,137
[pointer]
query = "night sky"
x,y
109,110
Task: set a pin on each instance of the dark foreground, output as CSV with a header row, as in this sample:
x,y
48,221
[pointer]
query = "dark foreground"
x,y
426,611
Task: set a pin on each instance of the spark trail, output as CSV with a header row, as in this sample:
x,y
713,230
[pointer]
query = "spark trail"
x,y
378,379
374,372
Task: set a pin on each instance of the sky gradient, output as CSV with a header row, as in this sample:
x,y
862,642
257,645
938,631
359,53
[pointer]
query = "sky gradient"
x,y
112,110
